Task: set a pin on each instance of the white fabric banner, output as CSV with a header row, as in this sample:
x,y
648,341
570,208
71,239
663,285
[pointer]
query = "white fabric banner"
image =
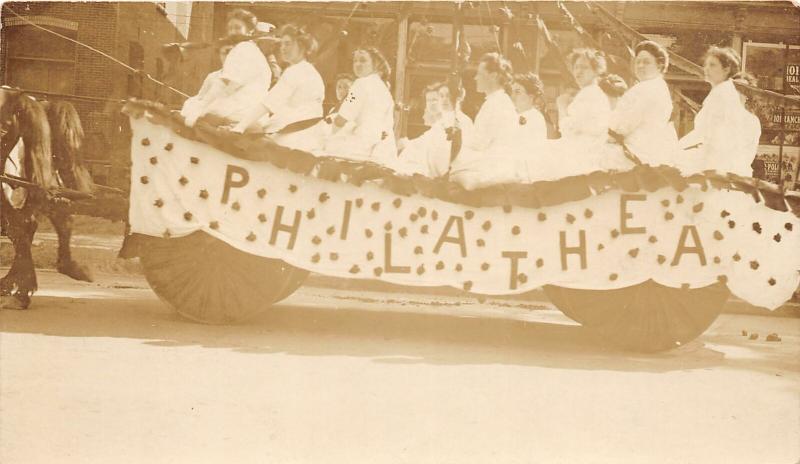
x,y
612,240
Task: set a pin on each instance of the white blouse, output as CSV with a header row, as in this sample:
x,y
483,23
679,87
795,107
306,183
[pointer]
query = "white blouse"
x,y
587,116
495,125
532,129
297,96
247,71
642,116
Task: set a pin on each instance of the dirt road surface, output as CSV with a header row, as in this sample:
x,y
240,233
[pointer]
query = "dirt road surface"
x,y
105,373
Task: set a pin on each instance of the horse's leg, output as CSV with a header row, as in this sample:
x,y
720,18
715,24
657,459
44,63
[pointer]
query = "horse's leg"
x,y
62,222
20,282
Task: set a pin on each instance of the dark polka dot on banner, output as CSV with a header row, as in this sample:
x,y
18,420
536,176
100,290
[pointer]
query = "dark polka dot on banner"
x,y
292,188
679,199
515,230
194,160
434,215
685,286
668,216
376,206
203,194
166,234
413,217
717,260
262,217
424,229
788,226
145,142
633,252
723,214
698,207
183,180
487,225
316,240
480,243
421,269
158,203
368,233
459,267
315,258
330,230
261,193
661,259
439,265
323,197
522,278
485,267
600,246
310,214
417,250
613,276
469,214
541,217
737,257
731,224
723,279
539,262
754,265
251,237
757,227
359,202
144,180
370,256
665,203
355,269
614,233
153,160
422,212
652,239
403,232
377,271
397,202
777,237
570,218
168,147
506,209
214,225
333,256
236,206
772,281
468,285
588,214
718,235
388,226
187,216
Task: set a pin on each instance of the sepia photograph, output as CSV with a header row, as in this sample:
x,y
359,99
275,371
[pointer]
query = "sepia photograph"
x,y
417,232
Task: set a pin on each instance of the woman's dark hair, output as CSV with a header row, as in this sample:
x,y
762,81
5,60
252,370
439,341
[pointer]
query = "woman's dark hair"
x,y
444,85
727,57
303,38
497,63
248,18
534,87
379,63
612,85
657,50
596,59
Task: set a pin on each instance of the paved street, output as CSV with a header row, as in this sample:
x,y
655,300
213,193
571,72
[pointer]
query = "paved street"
x,y
105,373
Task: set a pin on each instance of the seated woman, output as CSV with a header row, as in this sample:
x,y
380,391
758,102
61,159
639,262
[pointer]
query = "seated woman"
x,y
718,124
614,87
195,103
294,105
487,154
343,83
642,115
364,125
244,78
527,93
452,115
428,154
751,125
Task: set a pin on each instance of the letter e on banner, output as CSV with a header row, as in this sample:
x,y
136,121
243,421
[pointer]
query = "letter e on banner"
x,y
624,215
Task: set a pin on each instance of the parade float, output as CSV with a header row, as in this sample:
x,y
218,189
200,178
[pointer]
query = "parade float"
x,y
228,224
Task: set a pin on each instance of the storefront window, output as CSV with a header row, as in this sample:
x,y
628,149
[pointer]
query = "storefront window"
x,y
433,42
771,64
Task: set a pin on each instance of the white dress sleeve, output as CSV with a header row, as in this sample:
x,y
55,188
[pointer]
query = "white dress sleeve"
x,y
354,102
587,115
635,106
279,95
244,63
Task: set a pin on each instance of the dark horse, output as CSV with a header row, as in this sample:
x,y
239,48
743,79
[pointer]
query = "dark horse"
x,y
51,133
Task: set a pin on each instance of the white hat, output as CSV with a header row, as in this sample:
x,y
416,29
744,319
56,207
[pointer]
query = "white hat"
x,y
264,28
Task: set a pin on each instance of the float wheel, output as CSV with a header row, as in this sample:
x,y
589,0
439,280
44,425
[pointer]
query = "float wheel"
x,y
647,317
206,280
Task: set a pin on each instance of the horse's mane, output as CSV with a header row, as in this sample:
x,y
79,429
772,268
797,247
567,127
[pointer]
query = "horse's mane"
x,y
67,139
34,129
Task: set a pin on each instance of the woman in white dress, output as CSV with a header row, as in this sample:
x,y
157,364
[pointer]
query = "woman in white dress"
x,y
642,114
294,105
343,83
751,125
364,125
195,103
715,141
487,154
418,153
527,93
244,78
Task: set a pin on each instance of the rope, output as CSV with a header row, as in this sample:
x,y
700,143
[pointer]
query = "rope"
x,y
134,70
